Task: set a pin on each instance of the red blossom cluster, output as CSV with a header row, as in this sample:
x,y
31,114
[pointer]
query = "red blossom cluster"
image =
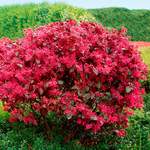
x,y
140,44
80,70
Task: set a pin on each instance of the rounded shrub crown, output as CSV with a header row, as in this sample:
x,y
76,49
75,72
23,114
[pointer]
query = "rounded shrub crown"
x,y
78,70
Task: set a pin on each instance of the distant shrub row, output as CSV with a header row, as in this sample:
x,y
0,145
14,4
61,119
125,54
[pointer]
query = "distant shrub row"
x,y
13,19
136,21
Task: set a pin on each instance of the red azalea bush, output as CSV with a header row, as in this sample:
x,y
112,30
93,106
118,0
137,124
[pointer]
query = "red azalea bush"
x,y
82,71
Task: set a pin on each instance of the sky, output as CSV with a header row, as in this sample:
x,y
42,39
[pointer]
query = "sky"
x,y
131,4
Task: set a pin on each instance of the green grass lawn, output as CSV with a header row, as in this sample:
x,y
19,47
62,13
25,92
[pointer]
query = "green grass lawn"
x,y
145,52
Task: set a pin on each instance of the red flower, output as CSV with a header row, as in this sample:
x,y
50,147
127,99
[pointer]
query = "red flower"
x,y
121,133
13,119
30,119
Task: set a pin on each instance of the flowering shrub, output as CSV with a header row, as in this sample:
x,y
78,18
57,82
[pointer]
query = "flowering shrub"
x,y
78,70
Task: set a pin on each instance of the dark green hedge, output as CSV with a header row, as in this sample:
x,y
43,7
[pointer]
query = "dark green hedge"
x,y
136,21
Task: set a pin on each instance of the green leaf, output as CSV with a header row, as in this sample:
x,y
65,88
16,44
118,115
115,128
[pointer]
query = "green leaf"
x,y
128,89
